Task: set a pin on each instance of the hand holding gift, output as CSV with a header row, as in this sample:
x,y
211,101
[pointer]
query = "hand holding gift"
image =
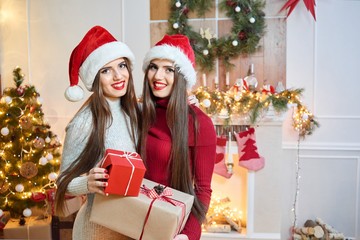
x,y
97,180
158,213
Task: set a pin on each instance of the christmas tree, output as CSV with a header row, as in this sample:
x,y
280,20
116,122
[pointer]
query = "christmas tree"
x,y
29,151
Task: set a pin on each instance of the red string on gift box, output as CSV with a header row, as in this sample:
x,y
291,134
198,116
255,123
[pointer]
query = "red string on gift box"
x,y
163,196
291,4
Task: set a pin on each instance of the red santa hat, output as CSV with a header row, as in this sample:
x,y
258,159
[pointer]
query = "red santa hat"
x,y
96,49
176,48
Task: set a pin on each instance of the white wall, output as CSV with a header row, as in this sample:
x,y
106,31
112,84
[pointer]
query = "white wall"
x,y
39,35
323,57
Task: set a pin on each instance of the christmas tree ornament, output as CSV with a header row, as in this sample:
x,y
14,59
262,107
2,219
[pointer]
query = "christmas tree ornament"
x,y
249,157
252,20
39,100
8,99
47,139
28,170
175,25
39,143
4,187
43,161
220,167
32,109
52,176
19,188
237,9
49,156
27,212
206,103
178,4
235,43
205,52
1,212
5,131
20,91
25,122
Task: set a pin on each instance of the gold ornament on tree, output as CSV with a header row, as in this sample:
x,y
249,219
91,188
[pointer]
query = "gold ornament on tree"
x,y
28,170
39,143
25,122
4,187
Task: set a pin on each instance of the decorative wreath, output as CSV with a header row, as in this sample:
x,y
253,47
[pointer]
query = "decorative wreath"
x,y
246,32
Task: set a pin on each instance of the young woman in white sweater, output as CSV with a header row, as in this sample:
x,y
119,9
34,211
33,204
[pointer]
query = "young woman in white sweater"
x,y
108,119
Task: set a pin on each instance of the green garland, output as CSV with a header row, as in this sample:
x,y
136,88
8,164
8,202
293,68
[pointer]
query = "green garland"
x,y
243,106
247,30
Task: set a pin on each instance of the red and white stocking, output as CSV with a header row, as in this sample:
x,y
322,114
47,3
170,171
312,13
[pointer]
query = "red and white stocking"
x,y
248,152
220,167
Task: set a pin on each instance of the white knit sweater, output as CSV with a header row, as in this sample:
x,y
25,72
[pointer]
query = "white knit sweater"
x,y
77,133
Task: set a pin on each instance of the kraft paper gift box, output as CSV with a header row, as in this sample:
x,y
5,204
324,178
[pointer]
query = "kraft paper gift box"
x,y
34,229
157,216
126,172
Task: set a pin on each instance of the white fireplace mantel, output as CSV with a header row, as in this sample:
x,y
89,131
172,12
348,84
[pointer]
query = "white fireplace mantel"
x,y
256,194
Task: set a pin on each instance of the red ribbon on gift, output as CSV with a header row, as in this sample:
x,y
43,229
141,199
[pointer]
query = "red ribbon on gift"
x,y
162,196
128,156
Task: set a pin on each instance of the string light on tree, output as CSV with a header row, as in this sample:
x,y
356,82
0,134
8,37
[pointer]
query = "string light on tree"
x,y
26,159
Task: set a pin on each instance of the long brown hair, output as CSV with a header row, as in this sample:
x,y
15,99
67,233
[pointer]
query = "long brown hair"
x,y
95,147
177,118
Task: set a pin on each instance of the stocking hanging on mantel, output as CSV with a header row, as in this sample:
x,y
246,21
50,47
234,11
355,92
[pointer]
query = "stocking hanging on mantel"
x,y
291,4
220,167
249,157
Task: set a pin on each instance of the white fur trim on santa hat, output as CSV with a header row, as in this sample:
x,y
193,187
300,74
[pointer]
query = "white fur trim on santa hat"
x,y
174,54
100,57
74,93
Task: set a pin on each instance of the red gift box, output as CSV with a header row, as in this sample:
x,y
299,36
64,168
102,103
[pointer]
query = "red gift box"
x,y
126,172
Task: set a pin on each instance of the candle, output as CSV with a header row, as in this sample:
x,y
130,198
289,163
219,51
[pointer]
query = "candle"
x,y
204,79
230,162
230,159
227,79
216,80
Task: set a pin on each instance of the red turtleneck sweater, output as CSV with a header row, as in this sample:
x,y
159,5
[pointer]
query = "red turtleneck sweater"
x,y
158,148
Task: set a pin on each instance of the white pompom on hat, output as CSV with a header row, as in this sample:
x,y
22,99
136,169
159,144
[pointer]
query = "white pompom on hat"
x,y
96,49
176,48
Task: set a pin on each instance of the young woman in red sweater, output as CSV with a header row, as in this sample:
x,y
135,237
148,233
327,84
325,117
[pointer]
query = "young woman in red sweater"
x,y
178,141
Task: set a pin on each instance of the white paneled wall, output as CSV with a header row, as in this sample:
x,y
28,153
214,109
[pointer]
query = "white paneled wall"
x,y
324,58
